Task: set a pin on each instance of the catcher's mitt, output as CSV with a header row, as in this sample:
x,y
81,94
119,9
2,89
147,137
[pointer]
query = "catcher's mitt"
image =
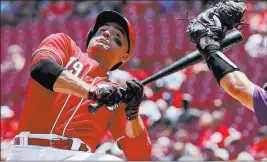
x,y
229,14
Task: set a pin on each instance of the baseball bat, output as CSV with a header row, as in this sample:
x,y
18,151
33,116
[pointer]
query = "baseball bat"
x,y
192,58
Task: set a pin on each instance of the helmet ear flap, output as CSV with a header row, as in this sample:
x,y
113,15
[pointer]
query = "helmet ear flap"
x,y
116,66
90,34
87,40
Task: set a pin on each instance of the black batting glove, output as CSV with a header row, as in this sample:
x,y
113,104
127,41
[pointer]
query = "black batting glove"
x,y
133,98
107,95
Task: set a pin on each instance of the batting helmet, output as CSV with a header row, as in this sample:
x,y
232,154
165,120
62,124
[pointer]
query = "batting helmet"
x,y
115,17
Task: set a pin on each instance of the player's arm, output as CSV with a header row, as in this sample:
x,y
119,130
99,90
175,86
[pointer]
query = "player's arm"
x,y
68,83
207,31
131,136
128,128
48,69
56,78
227,74
252,96
136,144
48,66
134,128
240,87
236,83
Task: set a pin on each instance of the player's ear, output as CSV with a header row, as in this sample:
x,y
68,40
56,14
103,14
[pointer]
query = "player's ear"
x,y
125,57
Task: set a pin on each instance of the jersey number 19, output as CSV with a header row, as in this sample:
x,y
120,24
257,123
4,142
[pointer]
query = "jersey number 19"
x,y
74,66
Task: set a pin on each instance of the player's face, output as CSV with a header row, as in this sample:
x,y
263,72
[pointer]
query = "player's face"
x,y
109,41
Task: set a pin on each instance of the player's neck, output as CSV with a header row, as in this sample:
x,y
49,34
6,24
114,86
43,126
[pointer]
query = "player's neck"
x,y
105,64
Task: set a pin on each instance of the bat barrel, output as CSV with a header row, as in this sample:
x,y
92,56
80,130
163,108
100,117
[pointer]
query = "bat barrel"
x,y
194,57
191,59
231,40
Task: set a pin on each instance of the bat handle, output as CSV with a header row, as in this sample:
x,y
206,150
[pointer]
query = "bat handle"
x,y
94,107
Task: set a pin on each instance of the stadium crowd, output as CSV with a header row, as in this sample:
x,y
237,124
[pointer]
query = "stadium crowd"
x,y
15,12
182,125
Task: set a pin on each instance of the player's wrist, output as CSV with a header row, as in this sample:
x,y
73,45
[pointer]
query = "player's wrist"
x,y
92,93
220,65
134,128
207,41
132,117
132,113
207,46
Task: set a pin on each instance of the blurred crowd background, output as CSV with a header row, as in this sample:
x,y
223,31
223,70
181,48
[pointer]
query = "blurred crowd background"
x,y
189,117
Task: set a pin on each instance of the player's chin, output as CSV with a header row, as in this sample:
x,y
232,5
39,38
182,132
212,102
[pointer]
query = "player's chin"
x,y
101,47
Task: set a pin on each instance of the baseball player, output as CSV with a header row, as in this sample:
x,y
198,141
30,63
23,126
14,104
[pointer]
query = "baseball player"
x,y
207,31
55,123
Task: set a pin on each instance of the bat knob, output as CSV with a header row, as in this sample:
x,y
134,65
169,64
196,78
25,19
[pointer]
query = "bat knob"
x,y
94,107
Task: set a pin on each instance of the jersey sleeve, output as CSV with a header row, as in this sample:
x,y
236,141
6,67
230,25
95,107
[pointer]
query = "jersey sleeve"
x,y
57,47
260,105
135,149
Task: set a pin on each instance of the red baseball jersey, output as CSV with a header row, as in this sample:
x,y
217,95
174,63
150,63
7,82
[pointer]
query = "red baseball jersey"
x,y
49,112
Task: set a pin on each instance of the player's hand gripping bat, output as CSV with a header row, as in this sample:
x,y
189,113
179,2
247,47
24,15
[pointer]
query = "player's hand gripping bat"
x,y
194,57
